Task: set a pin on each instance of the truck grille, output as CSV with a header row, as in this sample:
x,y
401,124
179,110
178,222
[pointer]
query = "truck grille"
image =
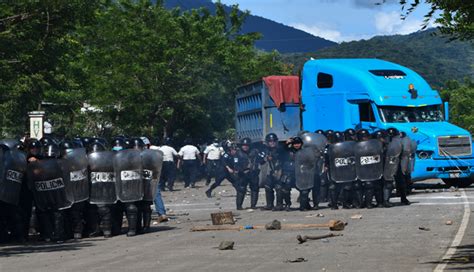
x,y
449,146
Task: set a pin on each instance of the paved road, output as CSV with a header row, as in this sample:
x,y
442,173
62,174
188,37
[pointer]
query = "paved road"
x,y
382,240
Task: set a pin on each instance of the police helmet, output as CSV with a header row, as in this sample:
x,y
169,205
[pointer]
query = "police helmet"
x,y
363,134
392,132
137,143
271,137
338,137
50,150
46,140
95,147
232,146
246,141
403,134
297,140
77,143
330,136
380,134
34,144
319,131
350,134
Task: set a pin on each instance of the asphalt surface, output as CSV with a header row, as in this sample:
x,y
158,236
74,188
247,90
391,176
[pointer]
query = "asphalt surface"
x,y
403,238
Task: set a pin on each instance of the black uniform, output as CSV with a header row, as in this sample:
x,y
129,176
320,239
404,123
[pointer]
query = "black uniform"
x,y
271,174
249,177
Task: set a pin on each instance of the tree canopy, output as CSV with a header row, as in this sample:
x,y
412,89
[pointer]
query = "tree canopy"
x,y
138,68
456,17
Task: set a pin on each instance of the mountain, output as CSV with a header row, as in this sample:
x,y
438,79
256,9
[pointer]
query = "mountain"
x,y
276,36
427,52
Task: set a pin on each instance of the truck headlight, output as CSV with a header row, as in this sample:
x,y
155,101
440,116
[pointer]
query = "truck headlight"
x,y
424,155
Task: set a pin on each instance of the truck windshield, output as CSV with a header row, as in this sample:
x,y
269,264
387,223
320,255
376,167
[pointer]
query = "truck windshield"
x,y
391,114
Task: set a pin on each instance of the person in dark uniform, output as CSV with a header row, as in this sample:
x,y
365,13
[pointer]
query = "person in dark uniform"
x,y
250,174
273,159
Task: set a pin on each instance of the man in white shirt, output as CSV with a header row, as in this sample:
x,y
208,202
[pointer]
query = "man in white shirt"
x,y
189,160
212,156
168,171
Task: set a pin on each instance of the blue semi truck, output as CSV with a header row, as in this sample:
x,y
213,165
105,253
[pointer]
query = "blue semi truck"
x,y
359,93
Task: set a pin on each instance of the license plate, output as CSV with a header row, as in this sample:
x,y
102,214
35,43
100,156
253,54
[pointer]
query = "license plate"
x,y
455,175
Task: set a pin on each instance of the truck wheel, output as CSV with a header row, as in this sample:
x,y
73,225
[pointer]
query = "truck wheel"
x,y
460,182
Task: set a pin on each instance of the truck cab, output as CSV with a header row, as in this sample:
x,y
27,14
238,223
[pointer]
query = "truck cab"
x,y
375,94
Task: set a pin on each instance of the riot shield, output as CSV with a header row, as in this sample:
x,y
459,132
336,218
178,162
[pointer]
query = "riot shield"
x,y
102,178
128,175
12,173
392,159
263,174
152,161
45,179
342,162
76,176
10,143
305,168
369,160
413,148
405,156
314,140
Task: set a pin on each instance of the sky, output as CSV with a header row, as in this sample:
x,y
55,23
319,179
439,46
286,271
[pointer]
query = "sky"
x,y
338,20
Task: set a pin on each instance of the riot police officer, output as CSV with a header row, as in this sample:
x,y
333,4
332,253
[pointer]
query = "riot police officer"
x,y
288,179
403,176
340,160
271,170
236,165
250,176
45,179
369,167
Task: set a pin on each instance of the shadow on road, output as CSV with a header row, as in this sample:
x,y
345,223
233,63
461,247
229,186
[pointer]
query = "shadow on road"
x,y
21,249
463,259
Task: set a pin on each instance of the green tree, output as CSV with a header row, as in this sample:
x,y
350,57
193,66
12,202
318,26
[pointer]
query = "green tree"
x,y
456,16
461,99
35,48
154,71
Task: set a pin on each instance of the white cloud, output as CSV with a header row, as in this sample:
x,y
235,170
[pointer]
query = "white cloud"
x,y
390,23
328,33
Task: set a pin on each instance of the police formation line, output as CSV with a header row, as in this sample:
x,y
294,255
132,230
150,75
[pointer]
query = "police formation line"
x,y
350,168
77,187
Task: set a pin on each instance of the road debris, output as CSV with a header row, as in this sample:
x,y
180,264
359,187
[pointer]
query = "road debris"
x,y
315,215
305,238
297,260
356,216
274,225
449,222
424,228
335,225
226,245
222,218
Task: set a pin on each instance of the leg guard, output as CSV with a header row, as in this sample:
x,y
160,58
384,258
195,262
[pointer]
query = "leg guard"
x,y
58,233
77,215
304,200
132,211
387,192
253,199
239,199
105,220
333,195
270,198
279,199
357,195
146,217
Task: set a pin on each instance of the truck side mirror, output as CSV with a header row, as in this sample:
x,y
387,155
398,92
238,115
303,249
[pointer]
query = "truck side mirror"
x,y
446,111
